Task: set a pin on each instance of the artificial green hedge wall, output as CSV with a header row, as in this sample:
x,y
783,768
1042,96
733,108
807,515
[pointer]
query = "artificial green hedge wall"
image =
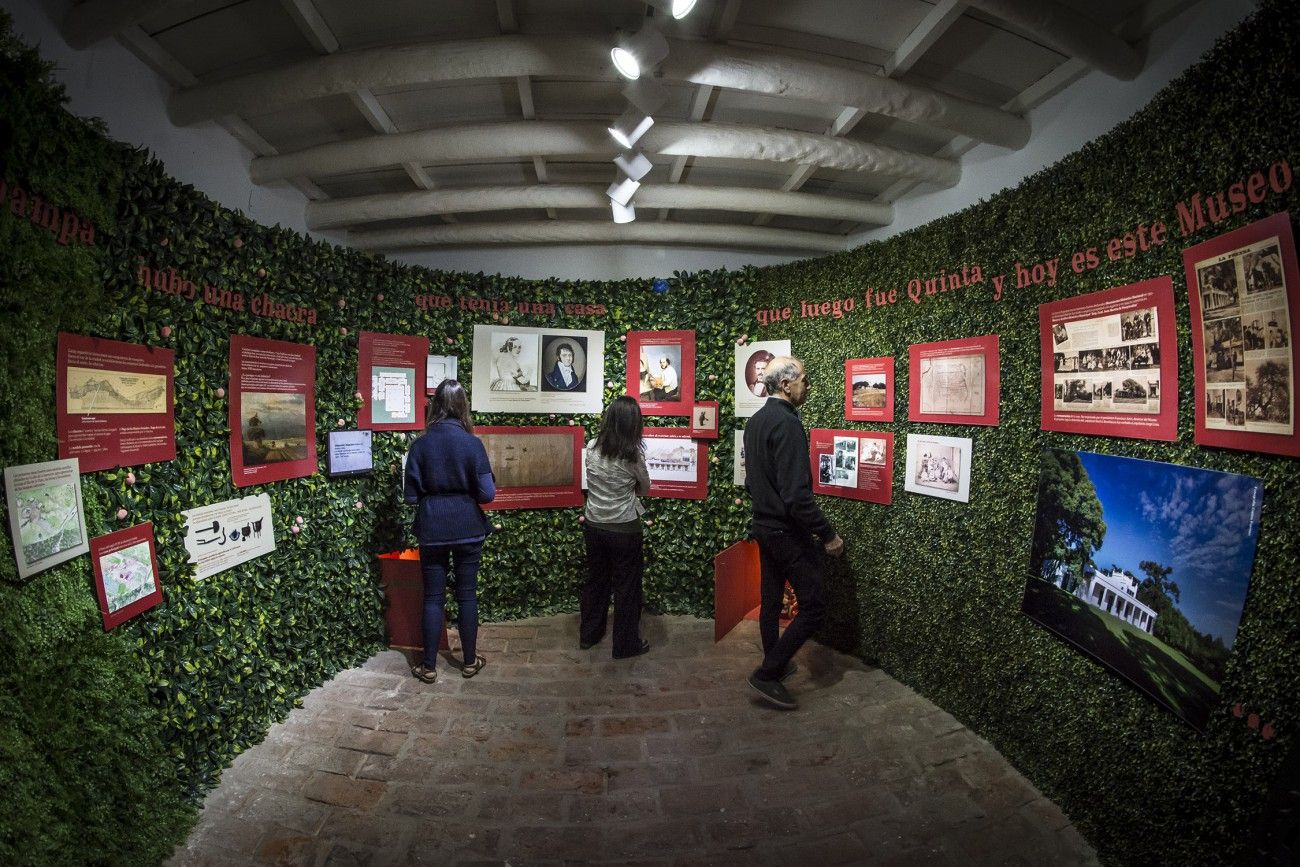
x,y
931,589
148,714
106,739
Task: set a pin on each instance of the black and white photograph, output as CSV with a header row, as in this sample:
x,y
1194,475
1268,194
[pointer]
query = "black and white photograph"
x,y
1059,333
1268,393
1218,287
1224,350
938,466
846,462
1144,356
1077,391
1263,269
1137,324
826,469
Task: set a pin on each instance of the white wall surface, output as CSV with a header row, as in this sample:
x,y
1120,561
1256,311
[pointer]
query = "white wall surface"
x,y
109,82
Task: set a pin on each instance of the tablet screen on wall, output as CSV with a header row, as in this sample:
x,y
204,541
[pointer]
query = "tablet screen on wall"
x,y
349,453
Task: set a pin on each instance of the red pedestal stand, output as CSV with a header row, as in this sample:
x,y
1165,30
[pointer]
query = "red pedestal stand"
x,y
399,574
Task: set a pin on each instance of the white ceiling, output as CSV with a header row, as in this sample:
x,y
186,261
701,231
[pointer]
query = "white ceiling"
x,y
789,125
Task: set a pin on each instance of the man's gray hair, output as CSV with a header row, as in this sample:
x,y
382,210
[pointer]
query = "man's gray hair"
x,y
779,368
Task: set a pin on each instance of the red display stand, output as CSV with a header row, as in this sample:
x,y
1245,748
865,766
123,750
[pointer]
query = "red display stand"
x,y
399,574
735,586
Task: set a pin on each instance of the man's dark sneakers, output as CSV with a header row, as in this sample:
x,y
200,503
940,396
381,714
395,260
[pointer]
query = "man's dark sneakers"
x,y
775,692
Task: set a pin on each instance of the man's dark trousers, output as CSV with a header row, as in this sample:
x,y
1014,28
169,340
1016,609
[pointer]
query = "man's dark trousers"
x,y
788,555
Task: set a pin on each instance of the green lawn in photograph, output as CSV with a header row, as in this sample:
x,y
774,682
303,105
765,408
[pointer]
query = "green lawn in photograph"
x,y
1151,665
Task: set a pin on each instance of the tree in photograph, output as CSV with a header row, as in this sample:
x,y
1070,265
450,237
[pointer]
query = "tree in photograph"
x,y
1069,526
1267,395
1157,583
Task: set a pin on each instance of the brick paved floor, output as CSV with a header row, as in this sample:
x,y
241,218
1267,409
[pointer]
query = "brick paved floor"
x,y
557,755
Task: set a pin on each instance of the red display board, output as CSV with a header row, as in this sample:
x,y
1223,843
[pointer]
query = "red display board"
x,y
115,403
1110,362
126,573
869,389
954,381
272,410
391,370
737,578
535,467
855,464
679,465
661,371
1243,288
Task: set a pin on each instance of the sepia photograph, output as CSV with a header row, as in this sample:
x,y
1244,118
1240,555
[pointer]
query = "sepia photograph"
x,y
1137,324
938,466
1224,350
530,460
1268,392
1218,287
1263,269
873,451
704,419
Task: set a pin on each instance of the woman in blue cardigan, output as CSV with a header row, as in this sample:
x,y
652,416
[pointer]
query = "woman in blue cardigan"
x,y
448,476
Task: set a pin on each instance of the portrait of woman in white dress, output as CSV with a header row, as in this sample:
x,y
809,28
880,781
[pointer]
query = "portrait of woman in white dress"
x,y
511,372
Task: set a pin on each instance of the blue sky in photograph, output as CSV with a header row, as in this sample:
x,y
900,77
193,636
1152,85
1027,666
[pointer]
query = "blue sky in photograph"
x,y
1200,522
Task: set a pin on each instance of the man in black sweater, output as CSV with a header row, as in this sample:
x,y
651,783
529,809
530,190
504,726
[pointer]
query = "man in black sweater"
x,y
793,535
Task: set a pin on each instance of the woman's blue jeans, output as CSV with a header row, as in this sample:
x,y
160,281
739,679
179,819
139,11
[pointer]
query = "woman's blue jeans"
x,y
460,563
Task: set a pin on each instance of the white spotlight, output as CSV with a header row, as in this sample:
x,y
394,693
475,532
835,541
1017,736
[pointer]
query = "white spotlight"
x,y
622,190
633,164
630,126
677,8
622,213
639,52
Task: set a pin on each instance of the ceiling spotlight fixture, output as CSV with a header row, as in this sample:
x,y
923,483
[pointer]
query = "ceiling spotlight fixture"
x,y
633,164
640,52
622,190
622,213
679,9
646,94
630,126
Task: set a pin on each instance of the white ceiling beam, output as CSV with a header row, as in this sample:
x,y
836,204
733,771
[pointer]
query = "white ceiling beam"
x,y
527,139
699,109
591,232
87,23
587,58
923,36
308,18
358,210
1070,33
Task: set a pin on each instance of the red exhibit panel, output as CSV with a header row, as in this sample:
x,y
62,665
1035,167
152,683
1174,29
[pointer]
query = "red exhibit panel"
x,y
954,381
869,389
126,573
391,370
678,464
661,371
1242,287
272,410
115,403
535,467
855,464
1110,362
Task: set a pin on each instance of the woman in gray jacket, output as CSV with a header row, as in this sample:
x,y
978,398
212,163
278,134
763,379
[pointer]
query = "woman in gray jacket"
x,y
616,474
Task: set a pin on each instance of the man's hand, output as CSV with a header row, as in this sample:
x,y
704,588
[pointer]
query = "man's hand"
x,y
835,547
